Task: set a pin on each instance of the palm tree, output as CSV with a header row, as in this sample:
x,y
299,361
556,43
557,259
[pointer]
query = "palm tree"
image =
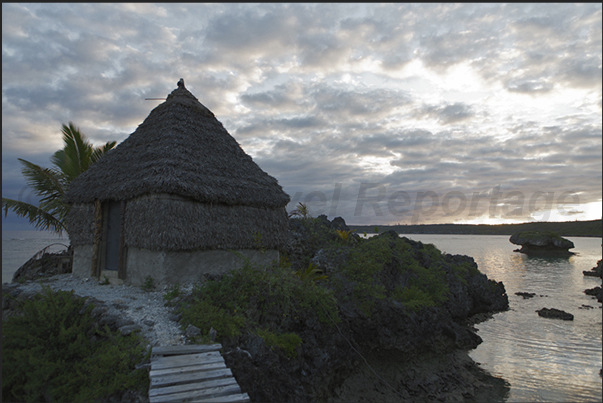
x,y
51,184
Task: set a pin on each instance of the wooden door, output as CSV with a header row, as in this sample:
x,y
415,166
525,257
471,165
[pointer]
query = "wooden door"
x,y
112,236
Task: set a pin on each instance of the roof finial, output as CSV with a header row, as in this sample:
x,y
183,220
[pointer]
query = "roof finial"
x,y
181,83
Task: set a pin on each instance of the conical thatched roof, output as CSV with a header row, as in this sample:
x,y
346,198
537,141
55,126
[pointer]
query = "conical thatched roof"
x,y
182,149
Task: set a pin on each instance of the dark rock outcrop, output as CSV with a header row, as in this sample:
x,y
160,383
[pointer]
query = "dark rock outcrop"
x,y
596,292
328,361
542,243
47,265
596,271
554,313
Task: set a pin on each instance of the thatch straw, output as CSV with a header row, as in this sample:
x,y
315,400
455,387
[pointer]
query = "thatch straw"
x,y
180,148
167,222
80,224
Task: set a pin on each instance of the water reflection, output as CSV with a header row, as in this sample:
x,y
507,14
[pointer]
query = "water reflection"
x,y
543,359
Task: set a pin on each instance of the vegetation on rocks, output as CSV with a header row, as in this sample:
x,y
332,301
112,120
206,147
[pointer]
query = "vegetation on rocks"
x,y
252,298
293,332
54,351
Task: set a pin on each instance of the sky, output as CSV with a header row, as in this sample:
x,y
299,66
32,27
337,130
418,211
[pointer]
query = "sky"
x,y
378,113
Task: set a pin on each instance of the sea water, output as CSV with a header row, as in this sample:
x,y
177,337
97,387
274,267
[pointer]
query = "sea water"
x,y
19,246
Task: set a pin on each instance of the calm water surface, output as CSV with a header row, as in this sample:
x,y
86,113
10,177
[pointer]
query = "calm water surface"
x,y
544,360
19,246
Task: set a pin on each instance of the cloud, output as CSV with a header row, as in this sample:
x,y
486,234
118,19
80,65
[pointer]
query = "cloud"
x,y
321,94
529,86
446,114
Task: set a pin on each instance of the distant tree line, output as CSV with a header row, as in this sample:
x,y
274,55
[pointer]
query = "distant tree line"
x,y
569,228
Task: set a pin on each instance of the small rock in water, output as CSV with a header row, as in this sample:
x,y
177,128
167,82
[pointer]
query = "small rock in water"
x,y
555,314
526,295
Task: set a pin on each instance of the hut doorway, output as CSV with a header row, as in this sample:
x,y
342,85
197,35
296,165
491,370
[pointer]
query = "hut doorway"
x,y
112,236
112,245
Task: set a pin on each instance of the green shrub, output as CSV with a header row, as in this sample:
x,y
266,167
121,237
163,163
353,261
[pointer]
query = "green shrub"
x,y
257,240
344,235
414,298
365,262
371,258
205,315
312,273
287,342
256,296
172,292
149,284
48,354
429,277
463,270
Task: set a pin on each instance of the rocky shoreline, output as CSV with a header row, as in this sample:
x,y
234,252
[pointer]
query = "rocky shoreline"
x,y
422,355
392,354
596,271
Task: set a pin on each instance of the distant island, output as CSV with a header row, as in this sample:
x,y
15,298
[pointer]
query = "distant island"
x,y
591,228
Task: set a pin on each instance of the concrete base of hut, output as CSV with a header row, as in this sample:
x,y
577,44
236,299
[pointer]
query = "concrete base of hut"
x,y
172,267
167,267
82,261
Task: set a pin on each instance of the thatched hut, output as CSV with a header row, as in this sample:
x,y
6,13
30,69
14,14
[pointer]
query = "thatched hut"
x,y
177,199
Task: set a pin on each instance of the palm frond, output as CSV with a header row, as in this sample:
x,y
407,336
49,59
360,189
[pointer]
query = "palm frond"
x,y
301,211
36,216
47,183
58,160
51,184
76,153
312,273
98,152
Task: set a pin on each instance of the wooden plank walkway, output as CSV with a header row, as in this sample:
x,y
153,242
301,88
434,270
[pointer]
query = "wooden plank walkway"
x,y
192,373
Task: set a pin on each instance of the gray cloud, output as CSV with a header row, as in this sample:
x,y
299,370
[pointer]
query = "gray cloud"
x,y
446,114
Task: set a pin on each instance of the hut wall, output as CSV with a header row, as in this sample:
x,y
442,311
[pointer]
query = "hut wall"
x,y
82,261
171,267
80,224
80,227
168,222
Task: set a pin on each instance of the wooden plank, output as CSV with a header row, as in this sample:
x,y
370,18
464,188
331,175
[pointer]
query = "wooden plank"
x,y
186,349
186,357
184,360
200,357
239,398
189,368
198,394
192,386
168,380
